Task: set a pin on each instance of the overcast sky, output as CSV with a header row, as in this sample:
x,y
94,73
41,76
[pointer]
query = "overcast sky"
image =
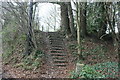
x,y
49,16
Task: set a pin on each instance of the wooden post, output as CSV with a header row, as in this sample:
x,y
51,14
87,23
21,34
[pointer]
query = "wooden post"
x,y
79,67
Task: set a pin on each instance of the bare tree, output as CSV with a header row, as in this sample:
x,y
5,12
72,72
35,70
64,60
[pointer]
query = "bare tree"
x,y
24,19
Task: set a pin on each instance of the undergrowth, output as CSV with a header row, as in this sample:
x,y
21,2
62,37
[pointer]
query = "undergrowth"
x,y
109,69
86,72
100,70
99,50
31,62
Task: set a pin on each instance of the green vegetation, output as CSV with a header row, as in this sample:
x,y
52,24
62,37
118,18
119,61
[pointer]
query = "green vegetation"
x,y
100,70
87,72
109,69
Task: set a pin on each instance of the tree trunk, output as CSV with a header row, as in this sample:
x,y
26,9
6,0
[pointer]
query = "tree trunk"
x,y
103,22
83,18
30,44
79,31
72,28
64,18
1,42
118,25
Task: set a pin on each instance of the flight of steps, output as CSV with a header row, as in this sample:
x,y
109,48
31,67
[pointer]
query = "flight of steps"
x,y
57,50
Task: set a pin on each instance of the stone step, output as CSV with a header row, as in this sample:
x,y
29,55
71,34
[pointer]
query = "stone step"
x,y
56,36
57,46
57,54
59,57
60,64
60,39
56,49
56,43
59,61
50,36
53,33
55,39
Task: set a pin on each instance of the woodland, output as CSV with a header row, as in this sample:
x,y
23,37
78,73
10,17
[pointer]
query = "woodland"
x,y
86,46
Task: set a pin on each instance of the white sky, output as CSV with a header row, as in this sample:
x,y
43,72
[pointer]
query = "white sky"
x,y
49,16
45,18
